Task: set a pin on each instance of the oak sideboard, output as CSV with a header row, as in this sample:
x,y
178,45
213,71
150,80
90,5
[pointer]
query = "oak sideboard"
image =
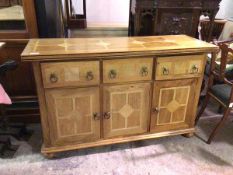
x,y
100,91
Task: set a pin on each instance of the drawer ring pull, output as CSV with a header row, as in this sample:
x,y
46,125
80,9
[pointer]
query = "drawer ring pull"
x,y
144,71
112,74
165,71
107,115
96,116
89,76
194,69
53,78
155,110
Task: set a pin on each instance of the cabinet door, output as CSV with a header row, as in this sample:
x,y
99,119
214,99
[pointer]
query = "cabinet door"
x,y
74,115
126,109
173,105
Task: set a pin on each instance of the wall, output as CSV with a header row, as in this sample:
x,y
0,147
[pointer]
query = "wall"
x,y
105,12
226,9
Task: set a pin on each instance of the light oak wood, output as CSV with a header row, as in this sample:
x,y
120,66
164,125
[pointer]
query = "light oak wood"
x,y
92,48
179,67
70,74
42,102
172,104
128,109
117,140
131,104
74,115
126,70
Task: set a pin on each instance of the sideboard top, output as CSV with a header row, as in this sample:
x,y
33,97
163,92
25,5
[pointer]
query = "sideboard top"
x,y
81,48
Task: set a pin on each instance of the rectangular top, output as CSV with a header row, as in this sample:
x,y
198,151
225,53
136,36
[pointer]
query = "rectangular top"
x,y
82,48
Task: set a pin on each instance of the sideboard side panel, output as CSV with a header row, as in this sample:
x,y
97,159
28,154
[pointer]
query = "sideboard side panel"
x,y
42,103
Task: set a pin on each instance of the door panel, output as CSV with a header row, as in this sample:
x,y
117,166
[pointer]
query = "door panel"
x,y
128,109
172,104
72,114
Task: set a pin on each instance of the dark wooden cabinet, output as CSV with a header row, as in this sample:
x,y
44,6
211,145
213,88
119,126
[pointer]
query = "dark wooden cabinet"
x,y
17,24
173,21
169,17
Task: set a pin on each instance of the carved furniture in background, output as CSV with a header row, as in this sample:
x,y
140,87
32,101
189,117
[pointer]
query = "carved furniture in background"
x,y
94,91
22,10
20,82
166,17
12,17
221,93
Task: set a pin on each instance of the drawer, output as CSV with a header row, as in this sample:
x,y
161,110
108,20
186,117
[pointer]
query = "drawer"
x,y
179,3
70,73
174,67
125,70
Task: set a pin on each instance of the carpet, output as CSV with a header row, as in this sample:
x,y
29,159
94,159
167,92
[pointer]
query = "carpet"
x,y
174,155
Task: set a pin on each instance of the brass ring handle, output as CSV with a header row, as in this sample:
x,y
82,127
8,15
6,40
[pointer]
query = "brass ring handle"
x,y
89,76
165,71
53,78
155,110
144,71
112,74
96,116
194,69
107,115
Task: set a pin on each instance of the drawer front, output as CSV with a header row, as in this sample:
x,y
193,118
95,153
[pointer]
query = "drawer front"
x,y
180,3
70,73
174,67
125,70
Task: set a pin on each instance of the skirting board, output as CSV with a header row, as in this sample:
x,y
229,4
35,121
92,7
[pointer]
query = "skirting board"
x,y
57,149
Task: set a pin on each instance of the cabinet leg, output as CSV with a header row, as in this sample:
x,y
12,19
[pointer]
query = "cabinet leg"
x,y
188,135
49,155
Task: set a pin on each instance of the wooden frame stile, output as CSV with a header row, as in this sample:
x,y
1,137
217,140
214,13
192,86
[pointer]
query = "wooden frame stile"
x,y
152,93
101,86
42,101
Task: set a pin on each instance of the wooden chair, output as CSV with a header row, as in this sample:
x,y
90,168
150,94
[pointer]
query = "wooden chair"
x,y
222,93
218,26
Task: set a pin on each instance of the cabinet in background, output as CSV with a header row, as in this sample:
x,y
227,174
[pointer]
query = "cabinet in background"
x,y
170,17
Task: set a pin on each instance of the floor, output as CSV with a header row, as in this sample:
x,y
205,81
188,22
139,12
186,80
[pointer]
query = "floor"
x,y
174,155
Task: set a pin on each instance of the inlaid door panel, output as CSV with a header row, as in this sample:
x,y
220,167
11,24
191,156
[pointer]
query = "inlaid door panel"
x,y
74,114
172,104
126,109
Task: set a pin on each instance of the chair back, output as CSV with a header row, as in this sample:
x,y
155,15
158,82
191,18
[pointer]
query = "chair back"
x,y
205,25
226,48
